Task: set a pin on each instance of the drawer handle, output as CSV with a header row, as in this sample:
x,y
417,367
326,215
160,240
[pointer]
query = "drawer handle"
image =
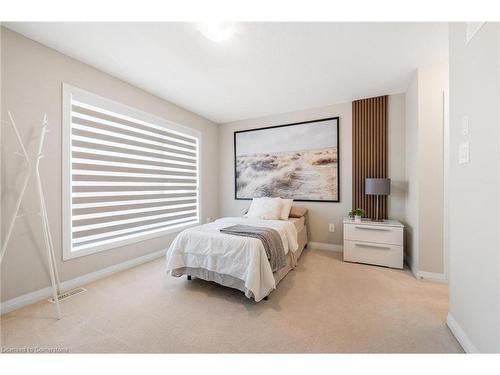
x,y
372,246
372,228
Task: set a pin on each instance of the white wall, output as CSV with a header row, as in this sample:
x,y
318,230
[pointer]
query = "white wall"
x,y
433,81
425,169
320,214
474,228
396,156
32,77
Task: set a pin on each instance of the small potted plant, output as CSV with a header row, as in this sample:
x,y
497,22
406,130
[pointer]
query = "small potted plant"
x,y
357,214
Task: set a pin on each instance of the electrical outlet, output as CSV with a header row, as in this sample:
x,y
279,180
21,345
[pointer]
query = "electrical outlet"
x,y
209,220
331,227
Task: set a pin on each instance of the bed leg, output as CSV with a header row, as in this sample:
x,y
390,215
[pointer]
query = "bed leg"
x,y
189,277
266,298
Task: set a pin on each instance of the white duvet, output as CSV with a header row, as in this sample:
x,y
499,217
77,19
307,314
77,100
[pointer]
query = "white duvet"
x,y
241,257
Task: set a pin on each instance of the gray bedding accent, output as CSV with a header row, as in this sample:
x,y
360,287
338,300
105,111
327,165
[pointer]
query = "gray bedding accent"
x,y
270,238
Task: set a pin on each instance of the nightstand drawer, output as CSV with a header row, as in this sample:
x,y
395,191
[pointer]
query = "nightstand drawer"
x,y
374,233
373,253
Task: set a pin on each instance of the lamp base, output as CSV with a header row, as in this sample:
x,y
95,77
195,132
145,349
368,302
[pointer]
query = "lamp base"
x,y
377,218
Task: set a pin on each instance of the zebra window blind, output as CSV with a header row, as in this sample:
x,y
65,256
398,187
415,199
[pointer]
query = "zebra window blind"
x,y
129,176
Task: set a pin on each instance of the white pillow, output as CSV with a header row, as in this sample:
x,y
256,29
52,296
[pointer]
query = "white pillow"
x,y
265,208
286,206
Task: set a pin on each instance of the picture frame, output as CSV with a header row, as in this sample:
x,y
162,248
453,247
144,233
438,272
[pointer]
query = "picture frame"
x,y
298,160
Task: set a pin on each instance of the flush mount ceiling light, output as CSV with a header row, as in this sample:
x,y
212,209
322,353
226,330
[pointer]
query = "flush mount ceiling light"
x,y
216,31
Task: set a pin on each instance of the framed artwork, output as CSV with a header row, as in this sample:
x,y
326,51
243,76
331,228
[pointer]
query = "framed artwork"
x,y
298,161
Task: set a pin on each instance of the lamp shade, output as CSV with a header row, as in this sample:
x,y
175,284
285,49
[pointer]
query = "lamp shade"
x,y
377,186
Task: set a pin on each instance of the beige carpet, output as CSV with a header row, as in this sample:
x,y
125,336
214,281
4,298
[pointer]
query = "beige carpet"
x,y
324,305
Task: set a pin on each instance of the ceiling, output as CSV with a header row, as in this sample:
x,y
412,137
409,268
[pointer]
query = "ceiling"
x,y
264,69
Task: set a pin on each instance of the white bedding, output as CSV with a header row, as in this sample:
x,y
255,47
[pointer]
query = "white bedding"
x,y
241,257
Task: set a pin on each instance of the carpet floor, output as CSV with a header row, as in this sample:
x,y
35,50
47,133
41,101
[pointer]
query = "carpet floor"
x,y
323,306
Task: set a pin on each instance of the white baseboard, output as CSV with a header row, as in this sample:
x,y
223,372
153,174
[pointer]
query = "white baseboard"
x,y
432,276
38,295
411,266
325,246
460,335
423,275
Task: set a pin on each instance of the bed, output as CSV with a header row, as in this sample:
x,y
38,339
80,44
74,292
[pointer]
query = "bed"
x,y
236,262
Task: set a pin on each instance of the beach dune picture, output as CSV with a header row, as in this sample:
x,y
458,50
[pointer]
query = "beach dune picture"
x,y
298,161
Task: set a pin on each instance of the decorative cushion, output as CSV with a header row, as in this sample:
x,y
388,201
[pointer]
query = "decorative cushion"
x,y
298,212
286,206
265,208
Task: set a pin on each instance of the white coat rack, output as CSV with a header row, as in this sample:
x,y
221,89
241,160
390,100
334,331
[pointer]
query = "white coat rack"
x,y
54,276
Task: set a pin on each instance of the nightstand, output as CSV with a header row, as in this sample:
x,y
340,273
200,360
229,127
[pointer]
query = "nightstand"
x,y
374,242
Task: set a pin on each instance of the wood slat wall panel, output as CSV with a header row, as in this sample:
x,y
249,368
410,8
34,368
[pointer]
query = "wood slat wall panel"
x,y
369,151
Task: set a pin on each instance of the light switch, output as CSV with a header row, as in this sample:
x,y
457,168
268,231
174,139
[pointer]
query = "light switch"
x,y
465,126
331,228
463,153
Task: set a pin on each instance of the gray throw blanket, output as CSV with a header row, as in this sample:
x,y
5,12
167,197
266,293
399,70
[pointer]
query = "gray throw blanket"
x,y
270,238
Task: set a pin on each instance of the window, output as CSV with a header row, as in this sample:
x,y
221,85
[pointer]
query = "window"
x,y
128,176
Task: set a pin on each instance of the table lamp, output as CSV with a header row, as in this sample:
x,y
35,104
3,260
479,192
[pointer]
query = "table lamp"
x,y
377,186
